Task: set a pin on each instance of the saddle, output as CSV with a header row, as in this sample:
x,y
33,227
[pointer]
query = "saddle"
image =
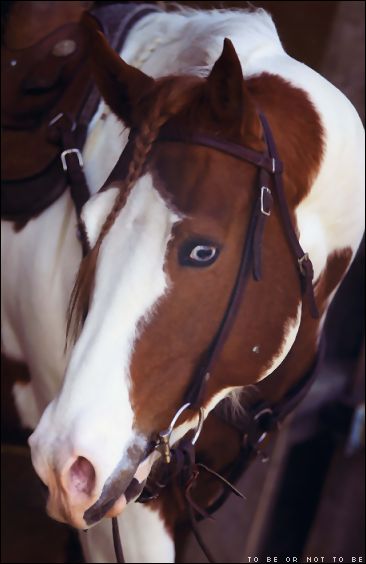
x,y
42,83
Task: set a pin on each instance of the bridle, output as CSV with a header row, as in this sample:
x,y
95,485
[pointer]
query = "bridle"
x,y
270,176
265,417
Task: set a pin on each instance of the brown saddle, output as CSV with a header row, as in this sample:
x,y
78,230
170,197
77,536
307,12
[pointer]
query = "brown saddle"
x,y
49,79
39,82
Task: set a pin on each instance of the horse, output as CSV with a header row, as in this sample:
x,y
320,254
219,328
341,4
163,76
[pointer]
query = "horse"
x,y
236,165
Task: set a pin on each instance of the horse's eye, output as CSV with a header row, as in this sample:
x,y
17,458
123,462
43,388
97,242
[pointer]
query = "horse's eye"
x,y
203,253
198,254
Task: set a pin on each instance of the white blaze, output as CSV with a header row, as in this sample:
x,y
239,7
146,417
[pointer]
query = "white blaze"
x,y
92,417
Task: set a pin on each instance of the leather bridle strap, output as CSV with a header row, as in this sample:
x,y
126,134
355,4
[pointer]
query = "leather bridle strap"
x,y
271,164
304,263
71,139
195,391
261,160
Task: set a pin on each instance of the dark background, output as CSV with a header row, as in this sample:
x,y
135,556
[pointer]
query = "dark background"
x,y
308,500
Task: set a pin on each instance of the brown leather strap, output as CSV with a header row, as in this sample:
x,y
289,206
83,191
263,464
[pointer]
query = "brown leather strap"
x,y
265,203
195,390
304,263
192,507
183,472
261,160
71,139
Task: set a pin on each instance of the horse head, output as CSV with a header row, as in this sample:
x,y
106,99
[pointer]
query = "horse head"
x,y
166,239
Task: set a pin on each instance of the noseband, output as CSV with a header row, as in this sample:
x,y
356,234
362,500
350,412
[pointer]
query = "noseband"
x,y
269,186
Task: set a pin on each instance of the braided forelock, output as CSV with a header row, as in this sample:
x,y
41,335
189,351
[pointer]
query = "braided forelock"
x,y
169,101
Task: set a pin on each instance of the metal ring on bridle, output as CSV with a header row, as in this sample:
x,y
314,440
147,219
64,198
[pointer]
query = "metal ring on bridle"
x,y
164,436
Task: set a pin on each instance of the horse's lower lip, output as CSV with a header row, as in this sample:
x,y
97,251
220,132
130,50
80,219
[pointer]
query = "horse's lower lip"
x,y
132,492
114,506
118,507
106,507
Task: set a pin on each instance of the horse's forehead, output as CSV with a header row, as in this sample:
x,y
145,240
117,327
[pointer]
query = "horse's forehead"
x,y
202,182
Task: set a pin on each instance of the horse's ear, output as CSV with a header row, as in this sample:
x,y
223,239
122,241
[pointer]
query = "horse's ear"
x,y
230,99
225,84
120,84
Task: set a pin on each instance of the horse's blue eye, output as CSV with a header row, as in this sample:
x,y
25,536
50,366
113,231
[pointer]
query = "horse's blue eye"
x,y
198,254
203,253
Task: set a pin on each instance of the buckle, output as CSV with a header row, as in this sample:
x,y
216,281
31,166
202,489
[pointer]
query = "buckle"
x,y
300,261
68,152
265,190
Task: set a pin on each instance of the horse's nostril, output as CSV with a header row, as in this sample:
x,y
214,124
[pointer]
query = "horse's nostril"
x,y
82,476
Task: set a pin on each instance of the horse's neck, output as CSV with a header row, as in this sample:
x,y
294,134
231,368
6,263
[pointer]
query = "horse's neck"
x,y
189,41
185,42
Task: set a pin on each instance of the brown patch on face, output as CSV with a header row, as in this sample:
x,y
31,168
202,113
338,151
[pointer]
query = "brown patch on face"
x,y
216,192
185,322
